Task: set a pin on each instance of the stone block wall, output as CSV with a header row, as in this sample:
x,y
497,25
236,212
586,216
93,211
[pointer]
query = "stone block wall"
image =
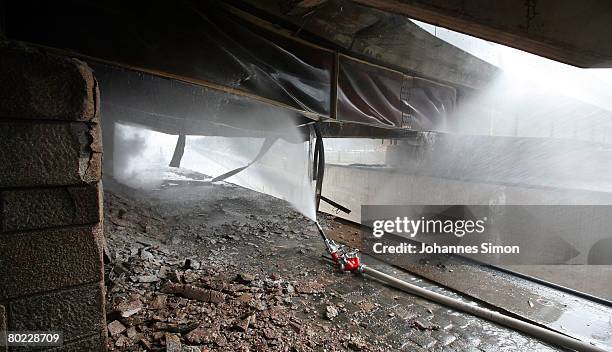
x,y
51,240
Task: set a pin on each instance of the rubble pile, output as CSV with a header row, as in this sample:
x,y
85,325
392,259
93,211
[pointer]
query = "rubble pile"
x,y
176,286
214,267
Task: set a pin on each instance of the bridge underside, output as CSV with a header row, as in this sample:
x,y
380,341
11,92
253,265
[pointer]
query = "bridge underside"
x,y
358,69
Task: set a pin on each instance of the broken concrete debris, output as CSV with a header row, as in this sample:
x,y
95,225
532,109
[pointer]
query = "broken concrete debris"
x,y
158,302
146,278
239,282
245,278
202,335
166,298
331,312
309,287
194,292
243,325
425,325
115,327
173,343
129,308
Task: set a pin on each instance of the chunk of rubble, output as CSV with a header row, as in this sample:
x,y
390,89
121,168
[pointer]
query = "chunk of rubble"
x,y
309,287
296,327
191,264
192,349
245,298
331,312
175,328
173,343
147,278
131,332
122,341
146,255
128,308
425,325
279,315
202,335
195,292
270,334
245,278
258,304
158,302
243,325
175,276
356,344
145,343
189,276
115,327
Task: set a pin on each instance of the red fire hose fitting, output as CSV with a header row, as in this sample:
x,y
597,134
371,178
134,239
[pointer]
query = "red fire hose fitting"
x,y
352,264
344,257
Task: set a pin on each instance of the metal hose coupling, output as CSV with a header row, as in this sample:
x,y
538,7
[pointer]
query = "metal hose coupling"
x,y
345,257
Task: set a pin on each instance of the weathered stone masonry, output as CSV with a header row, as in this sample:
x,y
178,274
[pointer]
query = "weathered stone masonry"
x,y
51,271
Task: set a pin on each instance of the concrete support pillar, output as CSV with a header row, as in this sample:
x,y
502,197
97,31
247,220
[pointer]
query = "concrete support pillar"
x,y
51,240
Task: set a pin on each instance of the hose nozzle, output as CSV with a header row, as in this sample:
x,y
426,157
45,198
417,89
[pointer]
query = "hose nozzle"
x,y
347,260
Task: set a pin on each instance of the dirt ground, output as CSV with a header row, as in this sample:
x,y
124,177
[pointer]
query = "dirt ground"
x,y
213,267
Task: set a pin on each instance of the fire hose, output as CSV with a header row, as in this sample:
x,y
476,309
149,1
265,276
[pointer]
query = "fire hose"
x,y
348,260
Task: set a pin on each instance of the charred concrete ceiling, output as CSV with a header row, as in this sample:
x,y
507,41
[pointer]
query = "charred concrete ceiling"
x,y
577,33
238,61
574,32
376,36
357,61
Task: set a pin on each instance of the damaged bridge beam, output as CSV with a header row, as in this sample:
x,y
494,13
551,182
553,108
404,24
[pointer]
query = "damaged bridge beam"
x,y
549,28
